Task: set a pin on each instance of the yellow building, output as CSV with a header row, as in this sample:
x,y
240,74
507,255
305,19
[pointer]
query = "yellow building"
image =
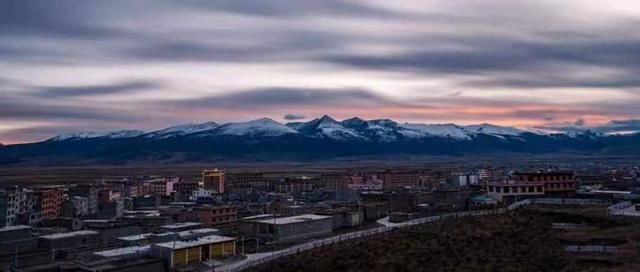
x,y
213,180
181,253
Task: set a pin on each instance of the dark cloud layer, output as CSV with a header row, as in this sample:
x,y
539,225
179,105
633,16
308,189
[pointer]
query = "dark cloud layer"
x,y
288,96
78,91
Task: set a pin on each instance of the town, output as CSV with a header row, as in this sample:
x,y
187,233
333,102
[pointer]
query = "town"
x,y
232,220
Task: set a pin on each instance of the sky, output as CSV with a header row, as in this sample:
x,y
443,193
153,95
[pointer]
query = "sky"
x,y
69,66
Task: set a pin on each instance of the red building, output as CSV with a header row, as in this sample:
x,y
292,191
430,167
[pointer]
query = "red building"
x,y
217,215
50,202
556,184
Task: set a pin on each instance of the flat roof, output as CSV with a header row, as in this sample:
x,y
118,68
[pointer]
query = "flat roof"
x,y
13,228
610,192
69,234
196,231
293,219
181,225
258,216
212,239
135,237
96,221
123,251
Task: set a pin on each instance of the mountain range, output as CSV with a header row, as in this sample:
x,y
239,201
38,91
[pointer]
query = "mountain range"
x,y
321,138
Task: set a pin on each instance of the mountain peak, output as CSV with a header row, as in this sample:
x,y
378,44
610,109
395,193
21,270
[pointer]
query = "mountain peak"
x,y
327,118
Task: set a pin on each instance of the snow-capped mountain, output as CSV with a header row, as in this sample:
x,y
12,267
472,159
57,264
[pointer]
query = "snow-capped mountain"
x,y
121,134
354,129
495,130
328,128
383,130
261,127
180,130
319,138
450,131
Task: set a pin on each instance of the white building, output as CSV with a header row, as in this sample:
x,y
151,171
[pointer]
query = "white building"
x,y
468,179
80,206
511,191
15,201
202,194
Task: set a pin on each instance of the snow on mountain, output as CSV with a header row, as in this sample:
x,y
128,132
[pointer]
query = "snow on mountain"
x,y
381,129
434,130
327,127
121,134
261,127
493,130
356,129
180,130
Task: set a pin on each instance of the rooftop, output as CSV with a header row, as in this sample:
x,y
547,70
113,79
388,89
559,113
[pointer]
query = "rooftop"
x,y
293,219
69,234
213,239
123,251
258,216
181,225
14,228
197,231
135,237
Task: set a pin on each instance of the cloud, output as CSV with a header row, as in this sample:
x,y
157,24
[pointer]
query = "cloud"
x,y
290,8
490,54
287,96
611,127
620,126
293,116
427,61
95,90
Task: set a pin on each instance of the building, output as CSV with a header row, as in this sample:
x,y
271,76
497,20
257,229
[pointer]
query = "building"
x,y
68,240
359,183
15,203
108,195
50,201
177,227
76,206
244,182
179,213
467,179
19,236
286,229
213,180
399,178
334,182
295,185
90,192
556,184
125,252
112,209
203,195
529,185
162,187
184,189
211,216
344,217
180,253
